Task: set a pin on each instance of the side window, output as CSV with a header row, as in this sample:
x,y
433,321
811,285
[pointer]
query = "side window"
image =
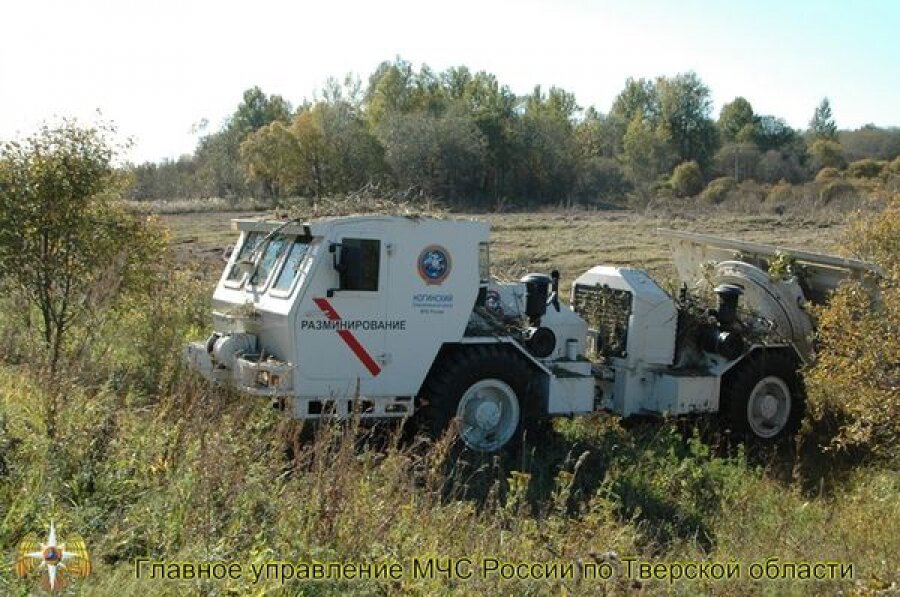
x,y
247,248
363,274
271,253
291,265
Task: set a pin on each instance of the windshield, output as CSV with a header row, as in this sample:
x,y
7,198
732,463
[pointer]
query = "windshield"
x,y
292,263
247,248
273,250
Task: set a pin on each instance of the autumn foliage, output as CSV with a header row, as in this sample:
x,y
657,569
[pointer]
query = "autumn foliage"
x,y
856,380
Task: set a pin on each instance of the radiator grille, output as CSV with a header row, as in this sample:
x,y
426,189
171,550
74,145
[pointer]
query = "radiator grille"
x,y
606,311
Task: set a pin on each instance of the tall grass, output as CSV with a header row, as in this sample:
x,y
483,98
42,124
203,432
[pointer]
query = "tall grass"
x,y
200,475
148,461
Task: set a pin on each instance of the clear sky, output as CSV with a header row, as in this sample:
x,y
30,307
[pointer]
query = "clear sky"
x,y
158,67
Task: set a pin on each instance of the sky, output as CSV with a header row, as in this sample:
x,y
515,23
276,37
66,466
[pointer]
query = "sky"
x,y
159,68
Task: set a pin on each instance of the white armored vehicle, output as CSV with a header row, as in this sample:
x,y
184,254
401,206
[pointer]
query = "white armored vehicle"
x,y
391,317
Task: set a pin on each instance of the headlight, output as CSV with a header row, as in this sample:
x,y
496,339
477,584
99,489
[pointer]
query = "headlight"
x,y
268,379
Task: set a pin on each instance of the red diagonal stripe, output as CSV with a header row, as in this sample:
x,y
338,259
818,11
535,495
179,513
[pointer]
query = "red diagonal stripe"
x,y
360,351
327,309
348,337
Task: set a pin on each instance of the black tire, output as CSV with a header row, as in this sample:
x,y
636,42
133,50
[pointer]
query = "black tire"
x,y
460,369
763,377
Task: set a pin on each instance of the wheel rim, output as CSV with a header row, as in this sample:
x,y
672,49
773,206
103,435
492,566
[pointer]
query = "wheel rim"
x,y
769,407
489,415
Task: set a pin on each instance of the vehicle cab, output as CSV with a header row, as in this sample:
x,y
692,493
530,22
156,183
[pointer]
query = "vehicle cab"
x,y
321,313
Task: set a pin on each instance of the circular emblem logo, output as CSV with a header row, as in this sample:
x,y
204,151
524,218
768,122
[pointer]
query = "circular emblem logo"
x,y
434,264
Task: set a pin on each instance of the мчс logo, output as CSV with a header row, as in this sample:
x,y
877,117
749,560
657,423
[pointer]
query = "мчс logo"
x,y
434,264
56,561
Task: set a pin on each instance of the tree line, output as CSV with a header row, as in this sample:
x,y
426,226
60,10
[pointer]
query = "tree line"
x,y
468,139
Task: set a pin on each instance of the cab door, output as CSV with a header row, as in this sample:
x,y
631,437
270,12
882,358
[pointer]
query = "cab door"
x,y
346,335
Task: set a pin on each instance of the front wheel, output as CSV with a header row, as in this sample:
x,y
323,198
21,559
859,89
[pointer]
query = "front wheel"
x,y
763,397
483,387
488,414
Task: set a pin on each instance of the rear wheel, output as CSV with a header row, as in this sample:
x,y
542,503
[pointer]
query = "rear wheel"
x,y
763,396
484,388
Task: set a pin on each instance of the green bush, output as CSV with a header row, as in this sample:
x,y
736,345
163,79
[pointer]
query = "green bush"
x,y
867,168
828,173
717,190
687,180
601,178
826,152
893,167
662,189
66,245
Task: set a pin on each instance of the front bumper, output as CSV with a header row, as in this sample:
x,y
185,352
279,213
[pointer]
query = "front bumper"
x,y
251,375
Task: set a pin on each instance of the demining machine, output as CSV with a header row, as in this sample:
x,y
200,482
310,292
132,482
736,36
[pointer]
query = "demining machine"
x,y
399,317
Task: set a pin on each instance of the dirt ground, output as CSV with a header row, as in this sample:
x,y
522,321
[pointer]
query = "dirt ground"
x,y
542,241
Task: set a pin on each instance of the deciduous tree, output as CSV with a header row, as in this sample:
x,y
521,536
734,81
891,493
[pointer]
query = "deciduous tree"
x,y
734,118
647,153
271,157
66,246
686,106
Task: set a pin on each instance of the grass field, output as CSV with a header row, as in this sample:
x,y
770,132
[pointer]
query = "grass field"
x,y
151,463
570,242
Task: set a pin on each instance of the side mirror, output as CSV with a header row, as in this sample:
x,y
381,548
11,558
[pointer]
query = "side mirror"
x,y
226,254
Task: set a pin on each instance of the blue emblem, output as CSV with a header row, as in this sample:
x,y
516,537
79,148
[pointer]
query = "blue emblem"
x,y
434,264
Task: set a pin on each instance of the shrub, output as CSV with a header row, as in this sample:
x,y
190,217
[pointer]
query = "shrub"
x,y
828,173
687,180
776,165
601,178
867,168
717,190
857,372
893,167
747,196
836,190
781,194
663,189
825,153
890,176
67,245
740,160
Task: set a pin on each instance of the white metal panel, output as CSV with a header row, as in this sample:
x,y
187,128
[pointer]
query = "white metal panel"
x,y
571,395
566,325
825,272
422,314
436,313
685,394
632,389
